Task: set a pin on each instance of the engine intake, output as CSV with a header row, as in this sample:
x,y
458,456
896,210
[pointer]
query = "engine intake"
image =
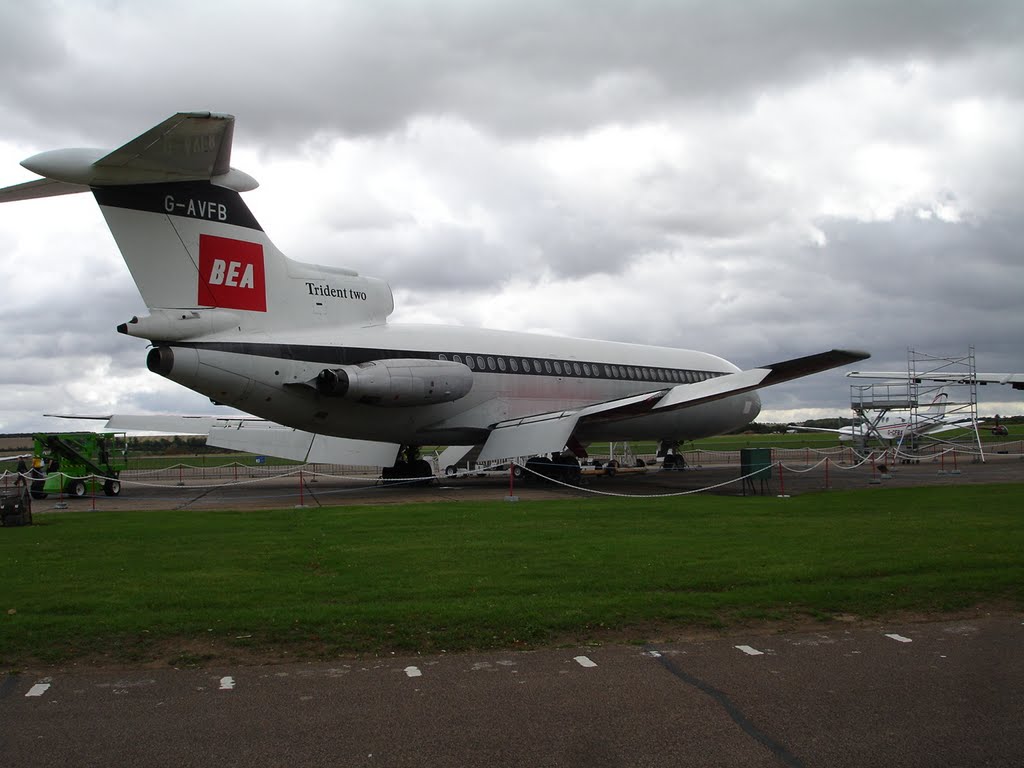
x,y
397,383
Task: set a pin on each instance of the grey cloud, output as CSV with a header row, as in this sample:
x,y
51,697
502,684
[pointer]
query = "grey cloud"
x,y
519,69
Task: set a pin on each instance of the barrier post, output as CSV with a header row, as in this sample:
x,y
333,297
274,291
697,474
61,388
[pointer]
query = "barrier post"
x,y
942,462
956,469
302,501
511,481
782,483
181,474
827,486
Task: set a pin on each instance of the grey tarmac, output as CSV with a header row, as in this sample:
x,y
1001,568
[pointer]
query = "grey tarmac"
x,y
947,693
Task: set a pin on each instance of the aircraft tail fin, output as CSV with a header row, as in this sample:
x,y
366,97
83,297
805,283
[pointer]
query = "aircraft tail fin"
x,y
171,200
937,409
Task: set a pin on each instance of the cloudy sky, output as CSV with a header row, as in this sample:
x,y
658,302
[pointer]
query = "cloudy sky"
x,y
761,180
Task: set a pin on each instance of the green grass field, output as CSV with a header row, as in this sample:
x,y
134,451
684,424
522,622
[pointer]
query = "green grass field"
x,y
426,577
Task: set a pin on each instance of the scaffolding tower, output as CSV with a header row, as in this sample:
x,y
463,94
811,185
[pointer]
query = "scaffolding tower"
x,y
925,407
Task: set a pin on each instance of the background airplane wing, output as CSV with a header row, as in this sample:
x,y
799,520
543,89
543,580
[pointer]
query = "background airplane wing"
x,y
818,429
1016,380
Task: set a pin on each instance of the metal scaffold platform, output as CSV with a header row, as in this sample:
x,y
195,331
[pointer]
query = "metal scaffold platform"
x,y
916,408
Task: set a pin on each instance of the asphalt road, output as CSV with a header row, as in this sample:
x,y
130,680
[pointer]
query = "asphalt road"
x,y
946,693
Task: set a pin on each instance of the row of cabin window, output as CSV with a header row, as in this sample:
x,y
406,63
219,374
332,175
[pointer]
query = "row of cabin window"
x,y
557,367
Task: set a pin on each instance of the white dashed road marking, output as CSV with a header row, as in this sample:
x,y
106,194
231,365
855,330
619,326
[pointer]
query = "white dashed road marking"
x,y
899,638
750,651
583,661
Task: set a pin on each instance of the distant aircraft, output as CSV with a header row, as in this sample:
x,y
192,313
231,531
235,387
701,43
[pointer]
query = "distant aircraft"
x,y
900,426
308,348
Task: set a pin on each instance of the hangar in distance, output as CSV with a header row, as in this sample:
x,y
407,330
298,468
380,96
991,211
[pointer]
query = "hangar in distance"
x,y
309,351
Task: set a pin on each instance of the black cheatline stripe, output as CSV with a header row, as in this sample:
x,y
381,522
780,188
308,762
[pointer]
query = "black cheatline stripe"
x,y
734,713
311,353
189,199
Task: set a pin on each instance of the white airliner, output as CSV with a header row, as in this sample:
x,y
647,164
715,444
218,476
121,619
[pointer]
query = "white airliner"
x,y
308,350
898,426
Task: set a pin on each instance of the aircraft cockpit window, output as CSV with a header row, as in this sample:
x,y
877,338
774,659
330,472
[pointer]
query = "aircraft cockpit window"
x,y
501,363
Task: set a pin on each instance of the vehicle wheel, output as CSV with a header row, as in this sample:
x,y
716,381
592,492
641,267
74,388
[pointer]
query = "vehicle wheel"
x,y
610,468
641,463
112,487
450,470
518,472
76,488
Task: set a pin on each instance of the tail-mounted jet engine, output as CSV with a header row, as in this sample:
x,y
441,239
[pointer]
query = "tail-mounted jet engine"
x,y
396,383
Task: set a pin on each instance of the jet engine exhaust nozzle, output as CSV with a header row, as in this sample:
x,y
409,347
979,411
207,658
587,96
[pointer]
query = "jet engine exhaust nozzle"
x,y
160,360
332,382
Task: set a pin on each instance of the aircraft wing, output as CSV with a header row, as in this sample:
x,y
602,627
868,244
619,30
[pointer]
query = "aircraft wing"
x,y
1016,380
258,436
819,429
549,432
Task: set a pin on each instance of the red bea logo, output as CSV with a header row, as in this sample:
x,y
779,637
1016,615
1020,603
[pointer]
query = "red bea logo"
x,y
231,274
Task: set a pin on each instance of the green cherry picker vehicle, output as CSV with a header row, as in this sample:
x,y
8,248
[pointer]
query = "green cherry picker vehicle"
x,y
76,462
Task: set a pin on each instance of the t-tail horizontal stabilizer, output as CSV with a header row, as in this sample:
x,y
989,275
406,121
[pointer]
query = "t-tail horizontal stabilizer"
x,y
189,146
